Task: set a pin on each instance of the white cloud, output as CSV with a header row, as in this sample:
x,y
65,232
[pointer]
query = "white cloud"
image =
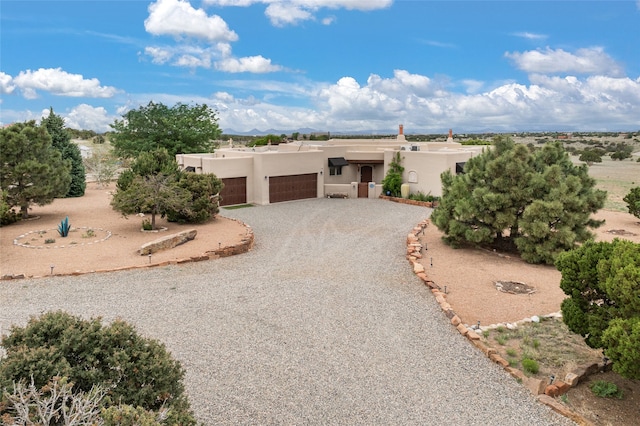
x,y
86,116
597,102
439,44
328,20
190,27
420,102
473,86
179,19
281,14
253,64
530,36
291,12
6,84
591,60
61,83
159,55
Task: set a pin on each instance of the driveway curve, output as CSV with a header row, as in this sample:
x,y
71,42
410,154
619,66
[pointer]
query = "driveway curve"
x,y
323,322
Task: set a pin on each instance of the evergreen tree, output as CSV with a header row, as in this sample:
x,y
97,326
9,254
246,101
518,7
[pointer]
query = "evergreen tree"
x,y
32,171
150,186
61,140
392,182
534,202
588,156
602,281
202,205
633,201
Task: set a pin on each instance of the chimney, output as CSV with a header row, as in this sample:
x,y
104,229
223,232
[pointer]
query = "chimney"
x,y
401,130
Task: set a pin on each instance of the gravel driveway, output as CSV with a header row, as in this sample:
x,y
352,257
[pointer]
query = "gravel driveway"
x,y
323,322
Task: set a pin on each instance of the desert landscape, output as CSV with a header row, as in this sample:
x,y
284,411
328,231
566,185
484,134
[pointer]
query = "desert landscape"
x,y
102,240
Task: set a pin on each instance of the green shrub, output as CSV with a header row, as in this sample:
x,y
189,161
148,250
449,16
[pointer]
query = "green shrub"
x,y
7,214
530,365
421,196
392,182
203,204
633,201
134,370
605,389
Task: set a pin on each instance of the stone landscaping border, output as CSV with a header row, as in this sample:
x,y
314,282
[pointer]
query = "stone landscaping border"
x,y
17,242
544,392
429,204
245,244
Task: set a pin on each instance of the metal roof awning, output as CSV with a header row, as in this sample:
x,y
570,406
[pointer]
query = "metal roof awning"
x,y
338,162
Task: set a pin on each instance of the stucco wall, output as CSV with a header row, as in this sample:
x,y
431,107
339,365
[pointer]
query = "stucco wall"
x,y
422,168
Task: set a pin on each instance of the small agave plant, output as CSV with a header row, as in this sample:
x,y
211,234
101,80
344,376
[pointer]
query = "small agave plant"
x,y
64,227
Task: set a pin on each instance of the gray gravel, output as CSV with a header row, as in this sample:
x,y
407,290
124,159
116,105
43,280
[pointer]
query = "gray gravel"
x,y
322,323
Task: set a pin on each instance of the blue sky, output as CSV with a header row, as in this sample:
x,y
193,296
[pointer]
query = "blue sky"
x,y
328,65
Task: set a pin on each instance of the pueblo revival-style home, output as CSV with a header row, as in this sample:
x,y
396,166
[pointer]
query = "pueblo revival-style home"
x,y
349,168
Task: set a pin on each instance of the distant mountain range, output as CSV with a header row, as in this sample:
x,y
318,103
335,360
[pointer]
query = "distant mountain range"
x,y
305,131
308,131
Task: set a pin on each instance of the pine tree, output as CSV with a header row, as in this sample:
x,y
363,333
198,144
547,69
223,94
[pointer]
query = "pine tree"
x,y
603,304
61,140
534,202
32,171
150,186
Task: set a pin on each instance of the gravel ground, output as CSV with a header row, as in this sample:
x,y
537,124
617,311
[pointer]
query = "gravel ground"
x,y
322,323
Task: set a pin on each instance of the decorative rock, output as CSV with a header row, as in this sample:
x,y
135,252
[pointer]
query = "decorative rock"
x,y
462,329
572,379
484,348
499,360
536,386
562,387
516,374
552,391
417,268
167,242
473,336
562,409
512,326
535,318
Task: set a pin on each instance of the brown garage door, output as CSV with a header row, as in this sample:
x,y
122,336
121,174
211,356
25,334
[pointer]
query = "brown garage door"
x,y
234,191
293,187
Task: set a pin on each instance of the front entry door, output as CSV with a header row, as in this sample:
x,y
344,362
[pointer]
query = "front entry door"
x,y
366,176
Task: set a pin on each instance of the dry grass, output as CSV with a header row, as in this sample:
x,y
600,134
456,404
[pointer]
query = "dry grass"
x,y
557,350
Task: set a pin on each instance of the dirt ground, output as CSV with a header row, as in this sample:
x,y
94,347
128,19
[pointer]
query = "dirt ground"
x,y
85,253
101,239
469,276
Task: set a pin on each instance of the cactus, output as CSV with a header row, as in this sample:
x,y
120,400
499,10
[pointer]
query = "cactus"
x,y
64,227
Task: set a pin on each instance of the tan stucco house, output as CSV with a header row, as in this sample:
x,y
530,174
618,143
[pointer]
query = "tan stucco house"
x,y
352,168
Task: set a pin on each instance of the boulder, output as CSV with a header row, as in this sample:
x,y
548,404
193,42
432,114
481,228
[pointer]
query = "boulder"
x,y
167,242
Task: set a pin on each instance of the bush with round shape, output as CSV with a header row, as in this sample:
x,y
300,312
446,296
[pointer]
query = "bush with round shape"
x,y
134,370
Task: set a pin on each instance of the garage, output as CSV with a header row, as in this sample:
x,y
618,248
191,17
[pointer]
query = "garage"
x,y
234,191
293,187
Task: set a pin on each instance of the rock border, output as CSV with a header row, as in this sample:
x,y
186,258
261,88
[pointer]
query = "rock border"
x,y
17,242
245,244
543,391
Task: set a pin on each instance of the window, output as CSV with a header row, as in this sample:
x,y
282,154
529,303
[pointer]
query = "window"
x,y
335,171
